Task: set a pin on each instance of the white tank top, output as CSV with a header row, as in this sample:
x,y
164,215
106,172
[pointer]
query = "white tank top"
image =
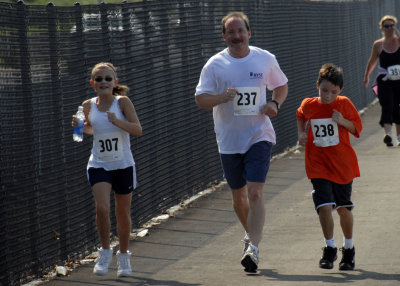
x,y
111,145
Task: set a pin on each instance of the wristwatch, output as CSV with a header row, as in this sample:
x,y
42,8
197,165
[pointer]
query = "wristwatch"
x,y
278,105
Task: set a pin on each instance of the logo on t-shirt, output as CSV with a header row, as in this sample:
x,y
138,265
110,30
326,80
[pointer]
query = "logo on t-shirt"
x,y
255,75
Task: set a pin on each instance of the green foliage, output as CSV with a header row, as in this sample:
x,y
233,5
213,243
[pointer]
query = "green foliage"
x,y
66,2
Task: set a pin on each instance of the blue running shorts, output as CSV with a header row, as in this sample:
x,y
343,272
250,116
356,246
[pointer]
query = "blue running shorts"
x,y
251,166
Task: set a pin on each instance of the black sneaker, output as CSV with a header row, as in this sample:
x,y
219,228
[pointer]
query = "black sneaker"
x,y
328,257
388,140
347,262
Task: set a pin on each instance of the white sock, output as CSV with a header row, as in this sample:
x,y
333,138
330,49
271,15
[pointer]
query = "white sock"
x,y
254,247
348,243
389,133
330,242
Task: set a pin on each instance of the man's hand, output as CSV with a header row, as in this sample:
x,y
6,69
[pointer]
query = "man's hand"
x,y
228,95
207,101
270,109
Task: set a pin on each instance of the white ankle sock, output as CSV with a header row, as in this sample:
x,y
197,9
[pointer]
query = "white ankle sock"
x,y
330,242
348,243
389,131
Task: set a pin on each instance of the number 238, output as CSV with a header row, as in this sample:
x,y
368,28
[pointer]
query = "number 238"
x,y
324,130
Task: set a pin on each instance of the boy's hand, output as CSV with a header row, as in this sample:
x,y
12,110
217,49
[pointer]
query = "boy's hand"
x,y
337,117
303,138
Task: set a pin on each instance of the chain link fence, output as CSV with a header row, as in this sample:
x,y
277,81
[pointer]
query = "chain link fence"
x,y
46,55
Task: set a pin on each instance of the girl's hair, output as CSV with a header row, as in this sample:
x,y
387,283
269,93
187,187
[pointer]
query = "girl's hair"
x,y
386,18
119,89
239,15
331,73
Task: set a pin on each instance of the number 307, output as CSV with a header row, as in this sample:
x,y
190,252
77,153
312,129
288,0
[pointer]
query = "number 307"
x,y
107,145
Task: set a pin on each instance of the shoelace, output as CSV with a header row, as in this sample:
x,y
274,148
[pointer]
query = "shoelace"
x,y
103,259
347,255
327,254
246,242
124,262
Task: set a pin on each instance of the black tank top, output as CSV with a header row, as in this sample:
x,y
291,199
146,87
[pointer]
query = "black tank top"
x,y
389,59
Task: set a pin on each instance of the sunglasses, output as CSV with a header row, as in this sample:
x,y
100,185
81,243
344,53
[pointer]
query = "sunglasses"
x,y
388,26
100,79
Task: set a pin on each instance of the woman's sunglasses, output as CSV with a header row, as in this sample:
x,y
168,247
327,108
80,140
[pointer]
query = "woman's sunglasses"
x,y
388,26
100,79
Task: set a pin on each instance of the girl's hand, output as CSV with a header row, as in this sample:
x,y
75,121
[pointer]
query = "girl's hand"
x,y
74,121
111,116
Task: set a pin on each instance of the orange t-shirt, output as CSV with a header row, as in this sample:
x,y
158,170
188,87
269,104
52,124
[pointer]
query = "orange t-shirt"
x,y
337,160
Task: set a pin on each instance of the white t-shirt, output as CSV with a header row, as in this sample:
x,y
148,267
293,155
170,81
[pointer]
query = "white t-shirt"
x,y
238,124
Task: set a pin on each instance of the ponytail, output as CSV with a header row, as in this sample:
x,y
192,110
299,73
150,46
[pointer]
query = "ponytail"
x,y
120,90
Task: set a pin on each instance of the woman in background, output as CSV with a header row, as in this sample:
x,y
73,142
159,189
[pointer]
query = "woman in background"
x,y
387,50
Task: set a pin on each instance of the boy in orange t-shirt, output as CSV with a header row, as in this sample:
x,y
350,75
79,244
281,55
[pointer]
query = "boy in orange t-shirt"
x,y
330,160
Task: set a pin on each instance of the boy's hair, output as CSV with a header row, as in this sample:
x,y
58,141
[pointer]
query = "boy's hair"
x,y
386,18
239,15
331,73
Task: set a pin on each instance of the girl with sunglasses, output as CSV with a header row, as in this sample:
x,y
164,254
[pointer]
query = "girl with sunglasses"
x,y
387,50
111,119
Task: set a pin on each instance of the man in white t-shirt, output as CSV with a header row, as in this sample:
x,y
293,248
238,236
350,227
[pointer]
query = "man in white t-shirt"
x,y
233,83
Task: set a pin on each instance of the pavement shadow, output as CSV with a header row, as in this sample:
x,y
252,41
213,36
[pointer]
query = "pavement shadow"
x,y
133,280
330,277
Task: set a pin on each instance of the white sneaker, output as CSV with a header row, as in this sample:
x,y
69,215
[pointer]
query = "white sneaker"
x,y
103,261
124,264
250,260
246,241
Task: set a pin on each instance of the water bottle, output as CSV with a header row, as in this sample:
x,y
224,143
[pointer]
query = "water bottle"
x,y
78,131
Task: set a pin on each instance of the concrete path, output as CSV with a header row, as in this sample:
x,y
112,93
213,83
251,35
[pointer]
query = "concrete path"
x,y
202,245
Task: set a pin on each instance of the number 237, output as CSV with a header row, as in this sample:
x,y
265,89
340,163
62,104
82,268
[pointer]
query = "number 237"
x,y
248,98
